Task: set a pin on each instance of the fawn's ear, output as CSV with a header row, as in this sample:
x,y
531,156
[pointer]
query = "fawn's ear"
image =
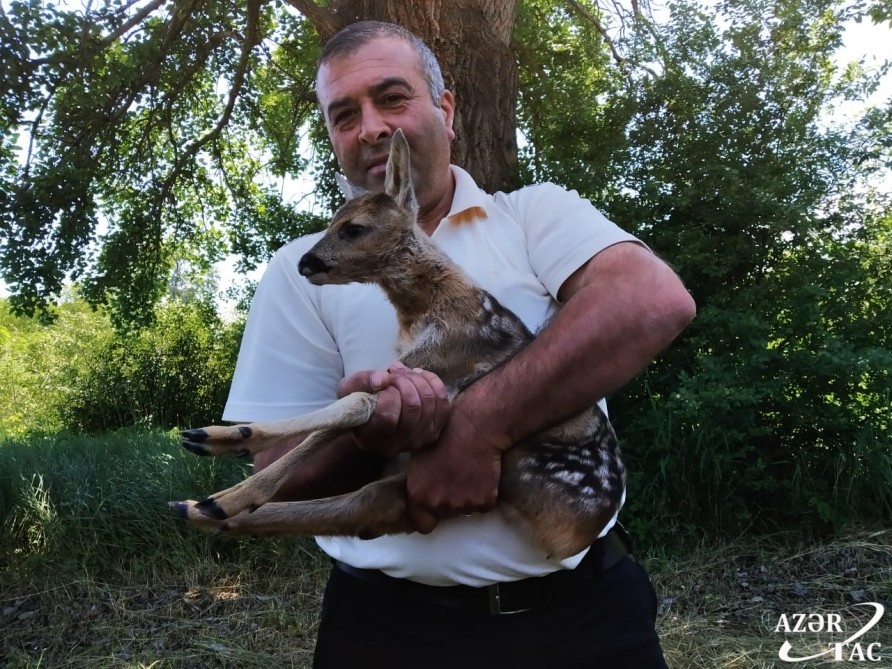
x,y
398,178
348,189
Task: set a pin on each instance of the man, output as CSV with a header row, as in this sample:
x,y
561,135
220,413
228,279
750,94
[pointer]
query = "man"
x,y
469,589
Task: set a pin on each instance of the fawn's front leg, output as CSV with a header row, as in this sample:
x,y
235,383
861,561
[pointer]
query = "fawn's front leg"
x,y
258,488
348,412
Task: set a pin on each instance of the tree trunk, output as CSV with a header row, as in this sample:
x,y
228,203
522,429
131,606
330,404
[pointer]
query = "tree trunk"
x,y
471,39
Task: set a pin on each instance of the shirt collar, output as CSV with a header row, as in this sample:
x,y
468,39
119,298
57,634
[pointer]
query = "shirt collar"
x,y
469,202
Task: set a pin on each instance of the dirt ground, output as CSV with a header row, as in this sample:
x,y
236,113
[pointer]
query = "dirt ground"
x,y
720,606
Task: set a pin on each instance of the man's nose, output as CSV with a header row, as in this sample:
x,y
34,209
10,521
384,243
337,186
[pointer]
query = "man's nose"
x,y
374,127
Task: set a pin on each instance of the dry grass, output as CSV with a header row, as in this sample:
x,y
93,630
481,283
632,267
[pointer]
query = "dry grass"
x,y
230,619
720,606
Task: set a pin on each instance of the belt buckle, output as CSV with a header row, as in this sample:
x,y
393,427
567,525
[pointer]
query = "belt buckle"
x,y
495,602
495,599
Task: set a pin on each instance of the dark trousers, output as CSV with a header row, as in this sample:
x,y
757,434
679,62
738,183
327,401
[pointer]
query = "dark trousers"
x,y
608,624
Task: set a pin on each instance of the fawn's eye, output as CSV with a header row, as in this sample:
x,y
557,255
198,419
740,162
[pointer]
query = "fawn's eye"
x,y
352,231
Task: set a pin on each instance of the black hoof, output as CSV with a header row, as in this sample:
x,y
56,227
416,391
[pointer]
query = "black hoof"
x,y
198,449
197,435
179,508
210,508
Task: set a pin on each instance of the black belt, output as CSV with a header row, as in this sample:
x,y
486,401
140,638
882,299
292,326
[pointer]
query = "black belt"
x,y
511,596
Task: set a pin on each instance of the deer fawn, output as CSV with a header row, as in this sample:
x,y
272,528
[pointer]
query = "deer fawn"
x,y
566,482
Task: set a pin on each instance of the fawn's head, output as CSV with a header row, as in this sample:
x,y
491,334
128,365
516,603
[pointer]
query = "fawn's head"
x,y
369,229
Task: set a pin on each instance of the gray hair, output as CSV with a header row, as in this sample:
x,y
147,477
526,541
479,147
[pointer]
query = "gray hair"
x,y
351,38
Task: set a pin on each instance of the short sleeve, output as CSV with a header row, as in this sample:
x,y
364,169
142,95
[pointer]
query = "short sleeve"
x,y
563,231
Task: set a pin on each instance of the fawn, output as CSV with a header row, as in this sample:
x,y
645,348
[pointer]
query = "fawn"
x,y
566,482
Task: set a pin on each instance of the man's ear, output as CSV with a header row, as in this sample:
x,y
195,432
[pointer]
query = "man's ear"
x,y
447,107
398,177
348,189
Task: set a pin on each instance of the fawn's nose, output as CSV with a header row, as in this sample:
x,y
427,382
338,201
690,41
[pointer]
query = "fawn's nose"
x,y
312,264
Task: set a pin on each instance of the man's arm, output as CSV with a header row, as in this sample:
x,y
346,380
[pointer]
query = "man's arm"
x,y
621,309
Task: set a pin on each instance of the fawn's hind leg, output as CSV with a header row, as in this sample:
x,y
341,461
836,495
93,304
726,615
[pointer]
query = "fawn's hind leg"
x,y
376,509
258,488
566,507
350,411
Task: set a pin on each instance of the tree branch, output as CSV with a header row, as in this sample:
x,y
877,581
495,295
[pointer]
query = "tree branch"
x,y
35,126
622,62
127,25
584,13
323,19
198,63
105,42
252,39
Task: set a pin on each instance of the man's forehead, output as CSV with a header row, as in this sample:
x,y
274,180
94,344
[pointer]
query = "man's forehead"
x,y
382,44
379,59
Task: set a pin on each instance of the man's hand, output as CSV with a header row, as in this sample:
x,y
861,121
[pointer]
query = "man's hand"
x,y
459,474
413,408
452,470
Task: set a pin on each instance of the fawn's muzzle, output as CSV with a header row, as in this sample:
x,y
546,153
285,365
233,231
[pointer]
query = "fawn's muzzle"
x,y
312,264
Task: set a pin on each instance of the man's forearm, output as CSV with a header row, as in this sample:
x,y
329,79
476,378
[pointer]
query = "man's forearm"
x,y
623,309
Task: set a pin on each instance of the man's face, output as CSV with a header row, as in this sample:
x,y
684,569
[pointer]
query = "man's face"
x,y
366,96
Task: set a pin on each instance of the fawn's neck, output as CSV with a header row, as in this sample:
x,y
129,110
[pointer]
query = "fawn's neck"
x,y
424,285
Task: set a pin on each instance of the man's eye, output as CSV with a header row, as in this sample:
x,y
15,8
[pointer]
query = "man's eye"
x,y
343,117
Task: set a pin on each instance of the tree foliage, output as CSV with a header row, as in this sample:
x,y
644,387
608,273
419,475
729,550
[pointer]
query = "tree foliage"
x,y
711,140
135,130
780,391
144,118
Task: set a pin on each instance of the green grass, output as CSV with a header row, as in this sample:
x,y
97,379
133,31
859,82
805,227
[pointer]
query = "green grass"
x,y
95,572
103,502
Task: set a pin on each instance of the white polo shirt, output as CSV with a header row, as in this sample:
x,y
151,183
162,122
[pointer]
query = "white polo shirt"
x,y
300,340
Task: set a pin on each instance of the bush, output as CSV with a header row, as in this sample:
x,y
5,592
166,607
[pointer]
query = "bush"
x,y
38,363
783,417
80,374
175,372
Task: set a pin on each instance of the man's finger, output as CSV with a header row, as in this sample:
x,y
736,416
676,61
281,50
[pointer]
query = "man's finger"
x,y
413,398
434,398
423,425
388,410
423,520
442,407
366,381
